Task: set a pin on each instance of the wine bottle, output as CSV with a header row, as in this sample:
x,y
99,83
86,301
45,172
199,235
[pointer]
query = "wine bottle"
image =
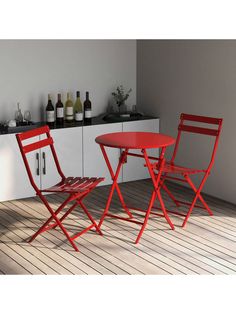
x,y
69,109
78,108
59,110
87,109
50,113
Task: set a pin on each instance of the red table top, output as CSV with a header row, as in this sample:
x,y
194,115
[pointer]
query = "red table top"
x,y
135,140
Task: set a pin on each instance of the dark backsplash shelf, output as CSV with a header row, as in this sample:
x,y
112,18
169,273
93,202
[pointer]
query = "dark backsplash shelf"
x,y
94,121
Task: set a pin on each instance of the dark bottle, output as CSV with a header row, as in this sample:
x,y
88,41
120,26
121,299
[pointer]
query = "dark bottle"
x,y
50,113
59,110
87,109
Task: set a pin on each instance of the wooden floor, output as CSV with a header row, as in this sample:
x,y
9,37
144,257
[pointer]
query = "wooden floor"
x,y
206,246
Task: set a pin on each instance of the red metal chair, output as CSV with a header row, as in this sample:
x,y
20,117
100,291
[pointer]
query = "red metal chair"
x,y
77,188
171,170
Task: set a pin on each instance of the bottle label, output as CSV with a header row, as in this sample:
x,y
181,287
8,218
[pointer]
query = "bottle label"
x,y
79,116
60,112
88,114
50,117
69,111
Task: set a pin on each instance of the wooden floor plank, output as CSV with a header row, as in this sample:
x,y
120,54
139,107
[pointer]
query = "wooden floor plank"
x,y
205,268
94,260
217,254
96,200
22,257
153,267
53,242
150,268
206,246
227,265
160,258
27,233
17,237
9,265
99,246
203,227
123,267
227,269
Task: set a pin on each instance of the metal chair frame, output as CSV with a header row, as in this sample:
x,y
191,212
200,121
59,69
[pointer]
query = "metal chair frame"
x,y
172,168
77,188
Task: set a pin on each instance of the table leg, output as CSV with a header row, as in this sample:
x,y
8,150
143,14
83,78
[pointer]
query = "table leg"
x,y
115,185
146,216
156,182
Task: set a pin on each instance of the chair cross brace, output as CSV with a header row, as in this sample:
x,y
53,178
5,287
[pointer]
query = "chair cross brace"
x,y
191,204
58,221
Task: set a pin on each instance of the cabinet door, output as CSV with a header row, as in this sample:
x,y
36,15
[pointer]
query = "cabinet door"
x,y
94,163
134,169
14,181
68,146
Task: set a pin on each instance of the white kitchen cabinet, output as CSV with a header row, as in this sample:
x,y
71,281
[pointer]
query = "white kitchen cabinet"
x,y
78,154
68,146
14,182
134,169
94,163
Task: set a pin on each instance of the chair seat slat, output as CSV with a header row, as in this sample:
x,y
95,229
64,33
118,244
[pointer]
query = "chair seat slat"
x,y
60,186
84,184
75,185
173,168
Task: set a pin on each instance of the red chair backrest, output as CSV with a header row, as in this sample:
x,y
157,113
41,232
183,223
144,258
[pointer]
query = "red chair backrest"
x,y
33,133
201,119
25,149
187,127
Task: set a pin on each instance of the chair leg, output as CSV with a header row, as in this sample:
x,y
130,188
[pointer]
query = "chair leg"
x,y
200,196
170,194
197,195
53,216
190,210
41,229
89,216
79,202
71,208
66,213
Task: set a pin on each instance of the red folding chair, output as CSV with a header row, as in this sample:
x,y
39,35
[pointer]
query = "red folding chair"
x,y
171,171
76,188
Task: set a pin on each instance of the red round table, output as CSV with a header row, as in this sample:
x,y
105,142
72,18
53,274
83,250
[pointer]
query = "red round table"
x,y
140,141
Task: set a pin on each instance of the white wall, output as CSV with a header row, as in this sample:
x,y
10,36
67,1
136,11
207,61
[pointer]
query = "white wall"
x,y
30,69
197,77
